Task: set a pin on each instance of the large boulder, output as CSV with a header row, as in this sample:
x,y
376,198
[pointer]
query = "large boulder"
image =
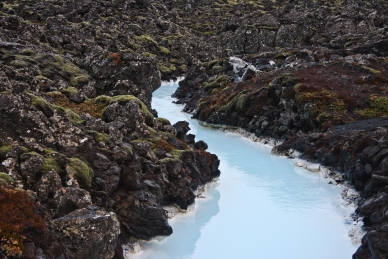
x,y
88,233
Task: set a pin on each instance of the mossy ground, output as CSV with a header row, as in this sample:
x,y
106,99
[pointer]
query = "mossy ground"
x,y
5,179
331,99
18,221
4,149
106,100
82,172
95,107
164,121
378,107
220,81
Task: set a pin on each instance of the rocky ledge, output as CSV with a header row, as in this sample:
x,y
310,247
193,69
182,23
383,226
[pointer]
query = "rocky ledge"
x,y
86,165
331,109
325,98
85,158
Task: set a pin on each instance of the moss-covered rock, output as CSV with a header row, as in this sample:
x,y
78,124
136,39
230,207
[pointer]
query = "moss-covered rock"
x,y
19,63
164,121
4,149
166,69
378,107
164,50
5,179
82,172
219,81
43,105
54,161
107,100
51,164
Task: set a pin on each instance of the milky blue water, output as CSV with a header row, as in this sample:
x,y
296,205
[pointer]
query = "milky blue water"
x,y
262,206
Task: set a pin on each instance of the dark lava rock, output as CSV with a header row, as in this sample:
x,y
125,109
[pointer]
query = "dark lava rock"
x,y
90,232
201,145
182,127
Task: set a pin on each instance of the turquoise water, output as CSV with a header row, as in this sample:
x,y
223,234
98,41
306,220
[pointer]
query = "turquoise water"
x,y
261,207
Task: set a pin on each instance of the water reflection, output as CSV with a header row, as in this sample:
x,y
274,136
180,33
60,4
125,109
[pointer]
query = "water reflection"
x,y
187,230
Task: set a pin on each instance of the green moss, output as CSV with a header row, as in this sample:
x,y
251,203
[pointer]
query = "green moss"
x,y
166,70
164,50
74,117
5,179
19,63
177,153
164,121
146,38
41,78
148,54
216,82
269,28
374,71
27,52
28,155
79,80
133,45
56,161
106,100
315,96
4,149
25,150
42,105
378,107
100,137
168,159
182,67
82,172
287,80
229,106
128,149
211,64
51,164
69,90
241,102
282,55
52,66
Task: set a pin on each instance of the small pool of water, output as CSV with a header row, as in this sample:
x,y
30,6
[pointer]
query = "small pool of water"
x,y
261,207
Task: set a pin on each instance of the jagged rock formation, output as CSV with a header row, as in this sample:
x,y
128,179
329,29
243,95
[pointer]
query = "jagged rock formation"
x,y
78,132
332,112
317,84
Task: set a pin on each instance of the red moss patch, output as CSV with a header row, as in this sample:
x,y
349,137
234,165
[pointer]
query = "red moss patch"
x,y
163,145
18,220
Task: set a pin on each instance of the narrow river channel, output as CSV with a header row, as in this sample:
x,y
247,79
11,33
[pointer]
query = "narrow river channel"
x,y
262,206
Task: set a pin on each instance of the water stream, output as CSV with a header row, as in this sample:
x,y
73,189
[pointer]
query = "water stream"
x,y
261,207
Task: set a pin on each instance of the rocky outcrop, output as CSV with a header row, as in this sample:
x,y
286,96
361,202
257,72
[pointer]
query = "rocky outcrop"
x,y
88,232
78,133
323,101
327,110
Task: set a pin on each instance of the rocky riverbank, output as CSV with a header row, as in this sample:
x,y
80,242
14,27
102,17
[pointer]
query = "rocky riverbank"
x,y
318,86
91,166
86,163
331,110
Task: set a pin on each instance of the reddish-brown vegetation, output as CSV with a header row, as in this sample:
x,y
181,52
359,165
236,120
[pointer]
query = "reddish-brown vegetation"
x,y
116,58
18,220
90,107
163,145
